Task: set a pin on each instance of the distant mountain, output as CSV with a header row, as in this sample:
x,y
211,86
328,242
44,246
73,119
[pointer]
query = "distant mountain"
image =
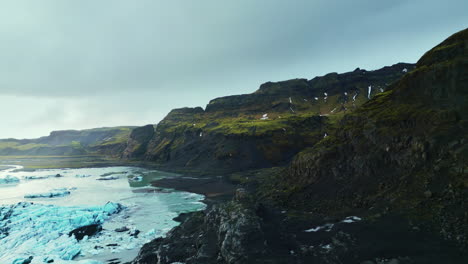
x,y
107,140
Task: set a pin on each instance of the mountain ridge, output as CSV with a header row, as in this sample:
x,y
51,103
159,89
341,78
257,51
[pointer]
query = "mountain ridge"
x,y
261,129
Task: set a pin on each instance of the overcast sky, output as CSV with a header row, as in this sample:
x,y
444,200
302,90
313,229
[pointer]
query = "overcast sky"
x,y
69,64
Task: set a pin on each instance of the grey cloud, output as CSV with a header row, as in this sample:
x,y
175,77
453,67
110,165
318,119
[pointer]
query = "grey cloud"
x,y
192,51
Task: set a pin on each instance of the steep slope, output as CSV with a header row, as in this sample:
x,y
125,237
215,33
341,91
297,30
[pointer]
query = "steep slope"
x,y
388,185
109,141
262,129
405,151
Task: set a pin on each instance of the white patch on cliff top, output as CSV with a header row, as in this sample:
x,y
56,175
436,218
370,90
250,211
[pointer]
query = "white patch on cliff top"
x,y
351,219
328,227
369,91
325,227
405,70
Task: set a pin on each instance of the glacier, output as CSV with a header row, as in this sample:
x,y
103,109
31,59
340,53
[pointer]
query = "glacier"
x,y
41,231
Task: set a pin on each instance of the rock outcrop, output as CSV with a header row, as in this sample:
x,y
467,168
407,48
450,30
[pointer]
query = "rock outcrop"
x,y
138,141
229,233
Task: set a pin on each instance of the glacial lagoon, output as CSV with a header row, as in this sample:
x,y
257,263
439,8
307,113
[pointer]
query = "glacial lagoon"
x,y
39,208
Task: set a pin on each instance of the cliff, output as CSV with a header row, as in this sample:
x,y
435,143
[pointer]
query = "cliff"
x,y
259,130
403,151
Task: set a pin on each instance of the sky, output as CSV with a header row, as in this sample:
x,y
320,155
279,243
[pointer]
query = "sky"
x,y
67,64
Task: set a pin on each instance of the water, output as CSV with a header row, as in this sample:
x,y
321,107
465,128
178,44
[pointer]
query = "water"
x,y
147,209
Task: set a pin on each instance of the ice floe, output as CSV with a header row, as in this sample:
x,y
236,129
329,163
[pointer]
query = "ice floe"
x,y
136,178
108,178
51,194
83,175
36,177
9,180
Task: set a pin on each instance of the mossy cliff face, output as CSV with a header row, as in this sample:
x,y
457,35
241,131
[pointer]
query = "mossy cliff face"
x,y
404,151
138,141
263,129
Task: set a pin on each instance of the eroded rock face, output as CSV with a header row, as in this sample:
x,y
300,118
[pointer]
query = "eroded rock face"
x,y
404,151
229,233
138,141
238,232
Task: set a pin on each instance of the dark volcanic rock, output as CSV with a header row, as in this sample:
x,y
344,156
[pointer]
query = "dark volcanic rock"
x,y
122,229
83,231
230,233
241,232
404,151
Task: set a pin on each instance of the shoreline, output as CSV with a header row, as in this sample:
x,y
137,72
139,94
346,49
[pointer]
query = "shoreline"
x,y
214,189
